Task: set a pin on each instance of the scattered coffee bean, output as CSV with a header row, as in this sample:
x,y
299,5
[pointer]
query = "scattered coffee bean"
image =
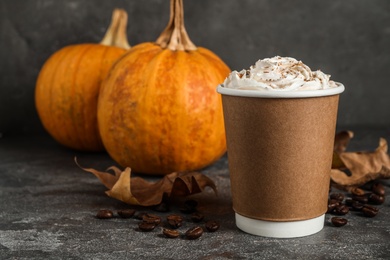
x,y
332,206
170,233
378,189
140,215
175,221
151,219
339,222
349,201
361,198
357,191
356,205
197,217
333,201
194,233
126,213
212,225
162,207
370,211
341,209
175,217
337,196
144,226
104,214
376,199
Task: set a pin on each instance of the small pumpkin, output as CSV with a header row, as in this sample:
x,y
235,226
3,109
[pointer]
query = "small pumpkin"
x,y
68,85
158,109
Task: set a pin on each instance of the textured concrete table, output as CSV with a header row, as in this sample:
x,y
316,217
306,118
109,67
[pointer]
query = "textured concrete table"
x,y
48,207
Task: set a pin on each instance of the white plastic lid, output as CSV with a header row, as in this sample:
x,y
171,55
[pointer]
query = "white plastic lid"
x,y
278,229
281,94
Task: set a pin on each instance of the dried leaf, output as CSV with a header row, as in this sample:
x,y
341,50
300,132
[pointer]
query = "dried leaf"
x,y
341,141
137,191
364,166
342,178
337,163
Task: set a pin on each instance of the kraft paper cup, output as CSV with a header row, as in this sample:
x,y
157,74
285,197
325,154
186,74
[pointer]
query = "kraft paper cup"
x,y
280,147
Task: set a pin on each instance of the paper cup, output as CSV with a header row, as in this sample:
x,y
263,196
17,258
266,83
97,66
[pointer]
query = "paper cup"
x,y
280,147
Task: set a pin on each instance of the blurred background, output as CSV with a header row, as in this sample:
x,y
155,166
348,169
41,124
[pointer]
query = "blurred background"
x,y
348,39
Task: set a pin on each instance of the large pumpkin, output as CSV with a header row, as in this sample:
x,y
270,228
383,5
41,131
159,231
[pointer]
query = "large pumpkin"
x,y
158,109
68,86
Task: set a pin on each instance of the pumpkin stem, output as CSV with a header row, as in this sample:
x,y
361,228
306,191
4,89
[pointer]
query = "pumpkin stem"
x,y
116,32
175,36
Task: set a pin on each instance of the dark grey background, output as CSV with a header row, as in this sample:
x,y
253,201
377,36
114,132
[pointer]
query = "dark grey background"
x,y
349,39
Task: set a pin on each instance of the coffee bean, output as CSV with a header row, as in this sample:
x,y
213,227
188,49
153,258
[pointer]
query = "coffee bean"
x,y
375,199
152,219
197,217
339,222
104,214
175,217
332,206
341,209
126,213
175,221
370,211
140,215
337,196
356,205
349,201
378,189
144,226
169,233
361,198
357,191
162,207
212,225
333,201
194,233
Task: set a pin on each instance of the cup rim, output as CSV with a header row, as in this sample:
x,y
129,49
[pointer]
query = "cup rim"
x,y
281,94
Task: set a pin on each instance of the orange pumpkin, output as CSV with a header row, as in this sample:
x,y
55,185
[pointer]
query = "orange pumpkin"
x,y
158,109
68,85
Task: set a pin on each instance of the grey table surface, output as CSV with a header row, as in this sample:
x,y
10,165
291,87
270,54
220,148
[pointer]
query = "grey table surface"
x,y
48,207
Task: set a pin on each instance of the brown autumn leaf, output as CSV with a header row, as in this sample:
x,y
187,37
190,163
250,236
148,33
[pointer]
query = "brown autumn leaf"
x,y
363,166
337,163
341,141
137,191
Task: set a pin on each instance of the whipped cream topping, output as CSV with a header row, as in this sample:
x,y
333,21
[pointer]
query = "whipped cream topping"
x,y
279,74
